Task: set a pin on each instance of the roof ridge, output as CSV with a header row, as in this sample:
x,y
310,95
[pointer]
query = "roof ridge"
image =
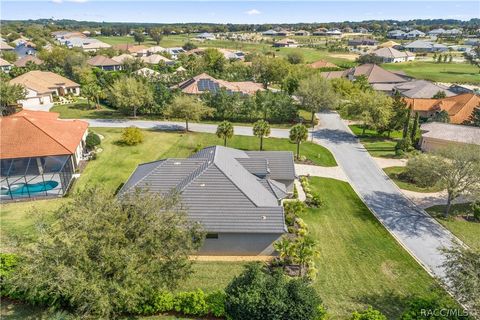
x,y
41,129
182,185
162,161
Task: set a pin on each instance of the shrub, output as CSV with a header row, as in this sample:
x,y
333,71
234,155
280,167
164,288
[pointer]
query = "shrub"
x,y
8,262
191,303
216,303
314,201
476,210
132,136
92,140
417,171
163,302
404,145
368,314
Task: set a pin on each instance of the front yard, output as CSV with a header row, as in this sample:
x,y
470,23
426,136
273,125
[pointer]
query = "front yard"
x,y
360,264
378,145
396,174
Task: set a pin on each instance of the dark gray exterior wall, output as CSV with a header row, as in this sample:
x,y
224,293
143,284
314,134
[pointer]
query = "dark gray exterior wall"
x,y
239,244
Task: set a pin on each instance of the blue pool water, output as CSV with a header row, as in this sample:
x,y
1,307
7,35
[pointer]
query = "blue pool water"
x,y
32,188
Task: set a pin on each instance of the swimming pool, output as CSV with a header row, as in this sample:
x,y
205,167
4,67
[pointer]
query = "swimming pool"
x,y
30,188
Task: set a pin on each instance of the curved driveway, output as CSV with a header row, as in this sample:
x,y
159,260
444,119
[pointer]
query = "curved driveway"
x,y
419,233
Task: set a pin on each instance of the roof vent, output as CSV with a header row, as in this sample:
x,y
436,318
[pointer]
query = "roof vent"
x,y
177,163
202,185
264,217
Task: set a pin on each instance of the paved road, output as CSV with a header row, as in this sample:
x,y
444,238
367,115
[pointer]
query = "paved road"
x,y
414,228
172,125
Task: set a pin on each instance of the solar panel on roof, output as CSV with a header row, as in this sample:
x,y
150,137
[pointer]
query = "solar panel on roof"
x,y
207,85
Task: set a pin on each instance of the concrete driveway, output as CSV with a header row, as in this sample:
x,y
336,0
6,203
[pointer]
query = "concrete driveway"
x,y
419,233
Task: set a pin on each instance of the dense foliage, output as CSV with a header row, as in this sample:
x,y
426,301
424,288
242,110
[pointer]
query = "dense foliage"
x,y
131,136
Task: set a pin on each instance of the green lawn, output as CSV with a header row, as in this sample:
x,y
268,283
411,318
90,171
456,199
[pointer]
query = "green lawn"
x,y
440,72
395,173
378,145
360,263
460,223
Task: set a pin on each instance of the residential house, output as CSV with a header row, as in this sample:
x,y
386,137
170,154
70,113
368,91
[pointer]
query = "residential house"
x,y
20,40
333,33
154,49
5,66
232,54
396,34
206,83
425,46
26,49
235,195
286,43
136,50
23,62
62,36
421,89
391,55
322,64
302,33
320,32
5,47
436,32
39,154
362,43
205,36
282,33
347,30
175,52
156,59
104,63
414,34
459,108
42,86
123,57
361,30
148,73
86,44
389,44
437,135
452,33
270,33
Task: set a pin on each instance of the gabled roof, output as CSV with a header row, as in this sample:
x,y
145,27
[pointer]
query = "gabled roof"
x,y
121,58
130,47
421,89
219,190
376,74
390,52
102,61
155,59
43,81
36,133
22,62
204,82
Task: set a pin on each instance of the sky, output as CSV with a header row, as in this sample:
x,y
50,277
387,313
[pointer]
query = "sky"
x,y
237,11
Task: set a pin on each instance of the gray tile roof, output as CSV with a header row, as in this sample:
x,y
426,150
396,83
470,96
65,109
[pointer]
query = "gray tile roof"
x,y
225,189
422,89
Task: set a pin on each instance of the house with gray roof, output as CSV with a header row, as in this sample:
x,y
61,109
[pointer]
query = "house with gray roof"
x,y
396,34
236,195
425,46
421,89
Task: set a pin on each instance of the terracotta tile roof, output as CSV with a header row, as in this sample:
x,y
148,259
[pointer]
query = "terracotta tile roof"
x,y
37,133
43,81
121,58
459,107
5,46
130,47
322,64
4,63
192,86
101,61
22,62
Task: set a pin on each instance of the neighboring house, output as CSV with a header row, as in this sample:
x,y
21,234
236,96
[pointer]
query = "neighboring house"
x,y
362,43
175,52
361,30
123,57
136,50
389,44
452,33
286,43
20,40
5,66
396,34
391,55
25,49
232,54
437,135
62,36
347,30
270,33
156,59
320,32
22,62
302,33
283,33
39,154
205,83
5,47
148,73
205,36
333,33
421,89
86,44
104,63
235,195
379,78
436,32
322,64
41,86
459,108
154,49
414,34
425,46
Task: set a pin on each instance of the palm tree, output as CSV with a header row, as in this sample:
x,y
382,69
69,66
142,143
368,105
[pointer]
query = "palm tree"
x,y
306,251
91,91
261,129
298,133
225,131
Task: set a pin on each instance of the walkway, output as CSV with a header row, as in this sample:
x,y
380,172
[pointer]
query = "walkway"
x,y
419,233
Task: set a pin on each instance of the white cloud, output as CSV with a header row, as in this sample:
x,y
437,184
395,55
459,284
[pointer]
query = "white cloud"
x,y
57,1
252,12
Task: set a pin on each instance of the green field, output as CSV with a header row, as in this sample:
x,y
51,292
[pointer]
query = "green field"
x,y
378,145
360,263
395,173
466,230
440,72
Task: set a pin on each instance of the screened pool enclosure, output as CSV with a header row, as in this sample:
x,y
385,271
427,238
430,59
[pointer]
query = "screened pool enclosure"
x,y
35,177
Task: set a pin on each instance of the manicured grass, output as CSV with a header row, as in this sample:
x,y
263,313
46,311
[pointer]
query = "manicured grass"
x,y
395,173
360,263
378,145
81,110
460,223
440,72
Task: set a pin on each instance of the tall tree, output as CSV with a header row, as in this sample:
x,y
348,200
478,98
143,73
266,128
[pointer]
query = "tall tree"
x,y
261,129
214,60
106,255
92,92
415,128
316,93
128,94
298,134
225,131
10,94
439,95
139,37
188,108
269,70
156,35
474,119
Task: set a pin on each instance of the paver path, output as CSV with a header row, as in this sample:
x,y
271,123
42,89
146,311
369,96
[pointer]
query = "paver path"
x,y
317,171
419,233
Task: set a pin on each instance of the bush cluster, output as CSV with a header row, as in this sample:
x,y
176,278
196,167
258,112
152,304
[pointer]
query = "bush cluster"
x,y
313,199
132,136
92,140
292,209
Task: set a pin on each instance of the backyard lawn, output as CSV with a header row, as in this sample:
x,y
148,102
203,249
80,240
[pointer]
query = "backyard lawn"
x,y
360,263
439,72
378,145
395,173
460,223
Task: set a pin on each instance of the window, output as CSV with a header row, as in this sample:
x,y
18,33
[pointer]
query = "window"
x,y
212,235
